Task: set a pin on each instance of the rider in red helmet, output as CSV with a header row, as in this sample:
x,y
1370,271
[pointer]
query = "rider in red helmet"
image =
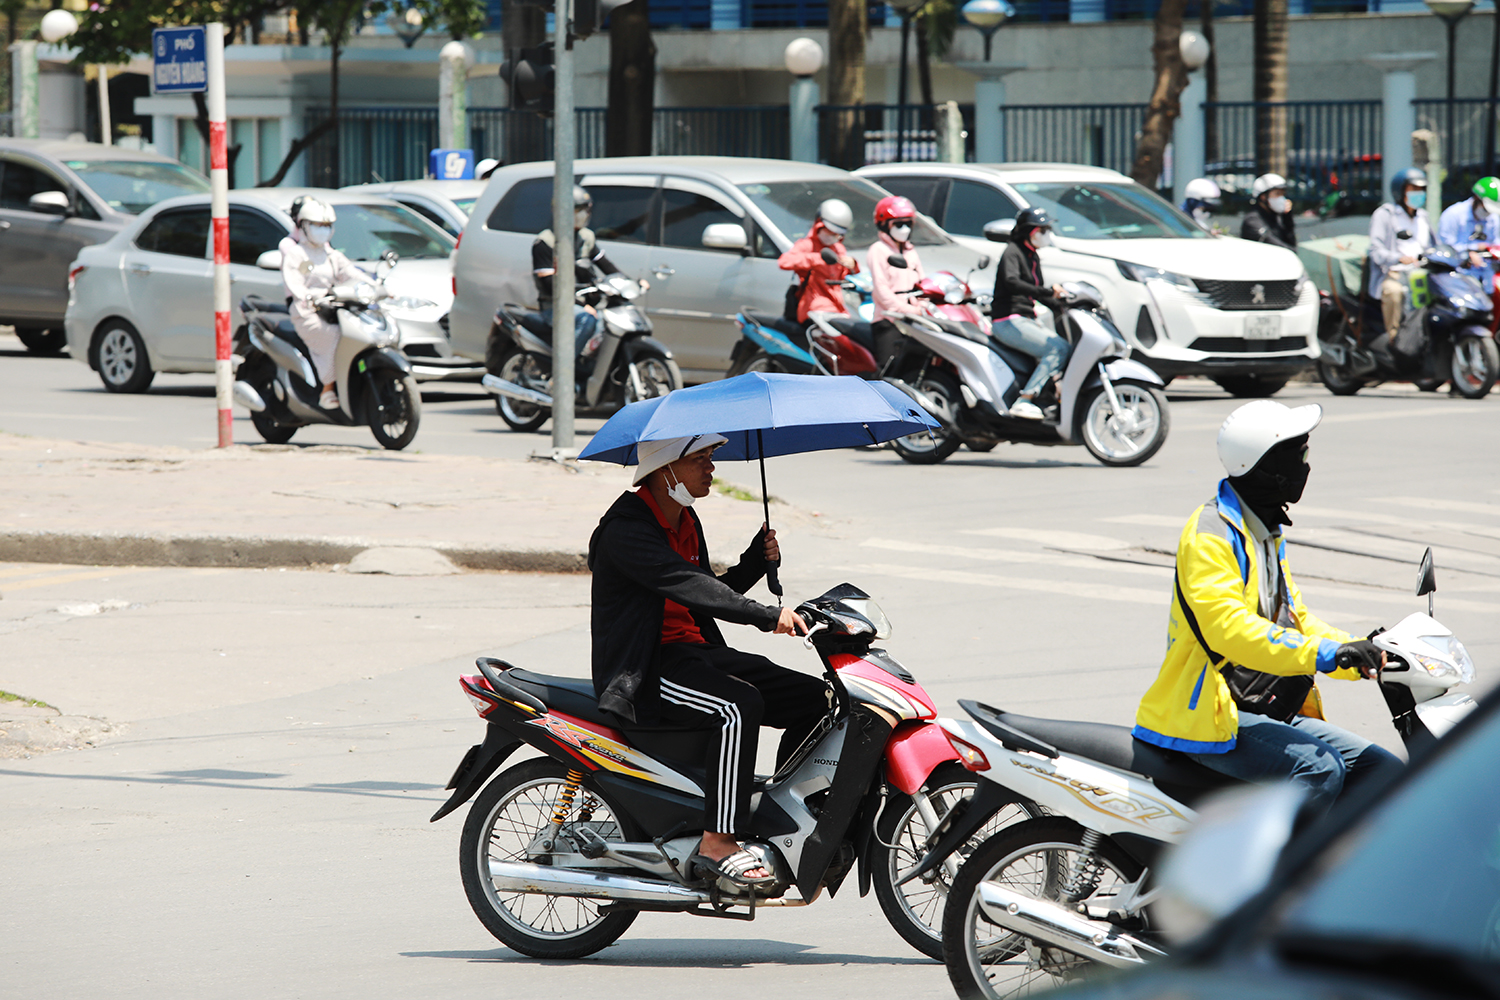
x,y
894,218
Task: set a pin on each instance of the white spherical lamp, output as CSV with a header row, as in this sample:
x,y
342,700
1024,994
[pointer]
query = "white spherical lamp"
x,y
986,14
1194,48
804,57
57,25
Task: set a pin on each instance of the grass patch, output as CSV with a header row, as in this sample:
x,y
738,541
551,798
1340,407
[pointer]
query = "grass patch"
x,y
27,702
734,492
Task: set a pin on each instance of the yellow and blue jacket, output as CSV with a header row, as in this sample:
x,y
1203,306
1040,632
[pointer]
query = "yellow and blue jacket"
x,y
1189,707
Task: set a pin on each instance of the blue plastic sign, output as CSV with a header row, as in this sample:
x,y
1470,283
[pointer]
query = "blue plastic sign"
x,y
451,164
180,60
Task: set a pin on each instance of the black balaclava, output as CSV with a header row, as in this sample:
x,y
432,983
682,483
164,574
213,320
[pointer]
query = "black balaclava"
x,y
1277,480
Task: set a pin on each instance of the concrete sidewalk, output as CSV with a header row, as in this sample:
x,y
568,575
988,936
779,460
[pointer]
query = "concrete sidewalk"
x,y
267,505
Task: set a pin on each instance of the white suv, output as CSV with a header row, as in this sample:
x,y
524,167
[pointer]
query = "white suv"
x,y
1243,314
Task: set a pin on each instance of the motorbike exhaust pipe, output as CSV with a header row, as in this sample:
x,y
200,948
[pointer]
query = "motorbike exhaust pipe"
x,y
516,876
246,396
1056,925
502,387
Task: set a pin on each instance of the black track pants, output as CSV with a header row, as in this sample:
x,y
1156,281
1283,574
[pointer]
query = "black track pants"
x,y
733,694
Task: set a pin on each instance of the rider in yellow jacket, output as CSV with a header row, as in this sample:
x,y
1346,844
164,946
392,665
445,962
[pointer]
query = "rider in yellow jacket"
x,y
1235,605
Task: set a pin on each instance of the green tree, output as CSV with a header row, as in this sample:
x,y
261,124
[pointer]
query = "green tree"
x,y
1165,107
1269,28
461,19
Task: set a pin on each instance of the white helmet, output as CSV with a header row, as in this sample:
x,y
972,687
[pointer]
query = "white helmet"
x,y
1266,182
836,215
1255,428
1202,189
311,211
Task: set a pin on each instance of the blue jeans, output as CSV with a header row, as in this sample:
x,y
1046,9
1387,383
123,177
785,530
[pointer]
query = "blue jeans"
x,y
584,323
1030,337
1315,754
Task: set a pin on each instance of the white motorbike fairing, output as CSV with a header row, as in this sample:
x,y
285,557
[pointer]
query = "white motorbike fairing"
x,y
982,370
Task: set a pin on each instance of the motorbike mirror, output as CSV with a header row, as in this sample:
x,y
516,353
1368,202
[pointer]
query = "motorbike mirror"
x,y
984,262
270,260
897,261
1249,824
1427,579
390,257
829,257
999,231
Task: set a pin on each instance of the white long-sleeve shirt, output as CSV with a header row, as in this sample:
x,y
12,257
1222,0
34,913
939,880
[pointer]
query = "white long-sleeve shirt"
x,y
1387,247
1460,228
310,272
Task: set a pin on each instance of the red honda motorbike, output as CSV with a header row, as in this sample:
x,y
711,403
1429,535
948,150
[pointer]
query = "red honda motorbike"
x,y
560,852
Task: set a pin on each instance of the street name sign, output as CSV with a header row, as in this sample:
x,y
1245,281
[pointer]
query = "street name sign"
x,y
180,60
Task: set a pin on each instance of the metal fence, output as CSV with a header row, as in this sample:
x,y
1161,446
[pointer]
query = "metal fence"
x,y
512,136
851,136
1100,135
374,144
520,136
1333,151
1463,150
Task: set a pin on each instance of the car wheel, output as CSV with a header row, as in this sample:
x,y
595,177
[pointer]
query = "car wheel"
x,y
120,356
1251,386
43,341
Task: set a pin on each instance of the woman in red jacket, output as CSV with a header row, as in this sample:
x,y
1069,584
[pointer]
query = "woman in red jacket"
x,y
820,279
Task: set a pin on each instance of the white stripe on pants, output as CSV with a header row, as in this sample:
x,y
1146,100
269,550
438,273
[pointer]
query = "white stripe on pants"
x,y
731,733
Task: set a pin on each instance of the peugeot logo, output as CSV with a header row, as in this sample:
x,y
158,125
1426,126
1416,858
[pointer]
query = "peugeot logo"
x,y
1257,295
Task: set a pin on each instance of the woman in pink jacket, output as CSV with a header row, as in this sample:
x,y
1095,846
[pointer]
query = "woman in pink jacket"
x,y
894,216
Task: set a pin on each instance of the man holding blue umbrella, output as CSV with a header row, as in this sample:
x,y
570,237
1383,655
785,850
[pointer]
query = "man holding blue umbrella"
x,y
659,657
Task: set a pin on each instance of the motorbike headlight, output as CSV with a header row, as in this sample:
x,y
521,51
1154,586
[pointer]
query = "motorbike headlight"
x,y
365,293
1140,272
409,303
1454,661
871,612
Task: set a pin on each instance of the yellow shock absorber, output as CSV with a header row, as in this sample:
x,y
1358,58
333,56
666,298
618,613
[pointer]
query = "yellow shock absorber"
x,y
563,808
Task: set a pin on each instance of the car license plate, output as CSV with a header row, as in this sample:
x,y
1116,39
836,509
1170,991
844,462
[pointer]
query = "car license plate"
x,y
1262,327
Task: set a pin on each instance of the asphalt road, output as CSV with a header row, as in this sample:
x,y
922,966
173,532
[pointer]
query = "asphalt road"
x,y
254,822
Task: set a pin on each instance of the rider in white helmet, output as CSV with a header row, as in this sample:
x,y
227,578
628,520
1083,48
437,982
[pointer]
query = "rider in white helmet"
x,y
1236,691
310,268
1201,199
820,291
1270,217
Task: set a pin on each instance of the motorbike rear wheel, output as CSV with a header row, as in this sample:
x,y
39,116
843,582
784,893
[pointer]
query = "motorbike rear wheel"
x,y
658,375
757,361
1476,362
393,408
1043,858
931,447
529,370
915,909
507,818
270,431
1129,437
1252,386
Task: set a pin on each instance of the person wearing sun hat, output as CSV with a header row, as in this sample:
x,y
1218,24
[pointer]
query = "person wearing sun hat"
x,y
659,657
1236,691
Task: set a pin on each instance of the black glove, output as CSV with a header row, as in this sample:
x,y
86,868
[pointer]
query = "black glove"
x,y
1361,654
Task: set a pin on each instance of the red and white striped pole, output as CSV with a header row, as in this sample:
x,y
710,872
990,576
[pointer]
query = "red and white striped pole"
x,y
218,174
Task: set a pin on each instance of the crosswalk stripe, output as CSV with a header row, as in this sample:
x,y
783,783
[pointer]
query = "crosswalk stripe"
x,y
1029,584
1011,556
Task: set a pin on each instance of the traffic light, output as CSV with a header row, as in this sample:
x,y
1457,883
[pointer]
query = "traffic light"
x,y
531,79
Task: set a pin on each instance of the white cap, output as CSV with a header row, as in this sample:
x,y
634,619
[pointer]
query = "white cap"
x,y
1257,427
653,455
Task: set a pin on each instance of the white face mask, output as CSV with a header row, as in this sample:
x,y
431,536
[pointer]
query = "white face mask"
x,y
1202,216
680,494
1041,238
827,238
581,219
1280,204
900,233
319,235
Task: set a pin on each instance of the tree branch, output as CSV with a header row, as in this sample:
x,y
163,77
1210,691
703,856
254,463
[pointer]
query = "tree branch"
x,y
298,145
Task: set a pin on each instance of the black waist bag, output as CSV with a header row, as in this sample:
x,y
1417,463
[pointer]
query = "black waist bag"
x,y
794,299
1273,695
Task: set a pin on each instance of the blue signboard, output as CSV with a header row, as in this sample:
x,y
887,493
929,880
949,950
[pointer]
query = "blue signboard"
x,y
451,164
180,57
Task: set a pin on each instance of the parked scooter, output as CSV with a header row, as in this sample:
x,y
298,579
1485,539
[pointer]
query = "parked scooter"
x,y
559,854
621,363
1055,899
1458,342
278,384
968,380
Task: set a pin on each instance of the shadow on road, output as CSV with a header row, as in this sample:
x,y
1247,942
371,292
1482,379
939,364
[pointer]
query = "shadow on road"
x,y
678,953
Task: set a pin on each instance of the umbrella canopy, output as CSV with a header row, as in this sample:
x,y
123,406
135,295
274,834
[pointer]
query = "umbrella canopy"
x,y
764,414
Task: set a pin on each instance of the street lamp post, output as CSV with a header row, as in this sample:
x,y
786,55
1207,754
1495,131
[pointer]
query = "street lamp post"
x,y
1188,147
907,9
987,16
407,25
804,57
1451,12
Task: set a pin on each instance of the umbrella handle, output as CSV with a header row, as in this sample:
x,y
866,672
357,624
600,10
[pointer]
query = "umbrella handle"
x,y
773,579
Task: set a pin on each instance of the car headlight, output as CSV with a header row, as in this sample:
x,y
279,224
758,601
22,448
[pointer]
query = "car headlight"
x,y
1140,272
409,303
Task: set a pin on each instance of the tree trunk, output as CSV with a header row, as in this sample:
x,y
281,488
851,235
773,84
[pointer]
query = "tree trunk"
x,y
1270,30
632,81
523,137
336,46
1164,109
1210,83
844,132
924,62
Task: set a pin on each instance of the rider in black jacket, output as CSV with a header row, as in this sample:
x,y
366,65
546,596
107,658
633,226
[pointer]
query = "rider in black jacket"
x,y
1270,218
659,657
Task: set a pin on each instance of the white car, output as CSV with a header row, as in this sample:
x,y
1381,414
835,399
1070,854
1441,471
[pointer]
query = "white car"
x,y
1243,314
446,204
142,302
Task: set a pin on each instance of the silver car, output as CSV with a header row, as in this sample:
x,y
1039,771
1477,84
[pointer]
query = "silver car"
x,y
445,204
142,303
705,231
56,198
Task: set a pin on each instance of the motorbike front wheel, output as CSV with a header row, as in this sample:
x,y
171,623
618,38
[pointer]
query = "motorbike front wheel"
x,y
1043,858
915,909
507,822
1476,362
1131,435
650,374
393,408
529,370
931,447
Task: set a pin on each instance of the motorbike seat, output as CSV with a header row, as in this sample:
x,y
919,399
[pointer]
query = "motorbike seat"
x,y
791,331
537,324
1174,773
856,330
1019,362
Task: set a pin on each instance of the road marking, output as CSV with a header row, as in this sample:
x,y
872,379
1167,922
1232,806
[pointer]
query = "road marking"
x,y
1060,539
70,416
1438,503
49,581
1011,555
1028,584
1148,520
32,570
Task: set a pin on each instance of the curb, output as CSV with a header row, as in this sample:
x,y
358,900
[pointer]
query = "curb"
x,y
257,551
